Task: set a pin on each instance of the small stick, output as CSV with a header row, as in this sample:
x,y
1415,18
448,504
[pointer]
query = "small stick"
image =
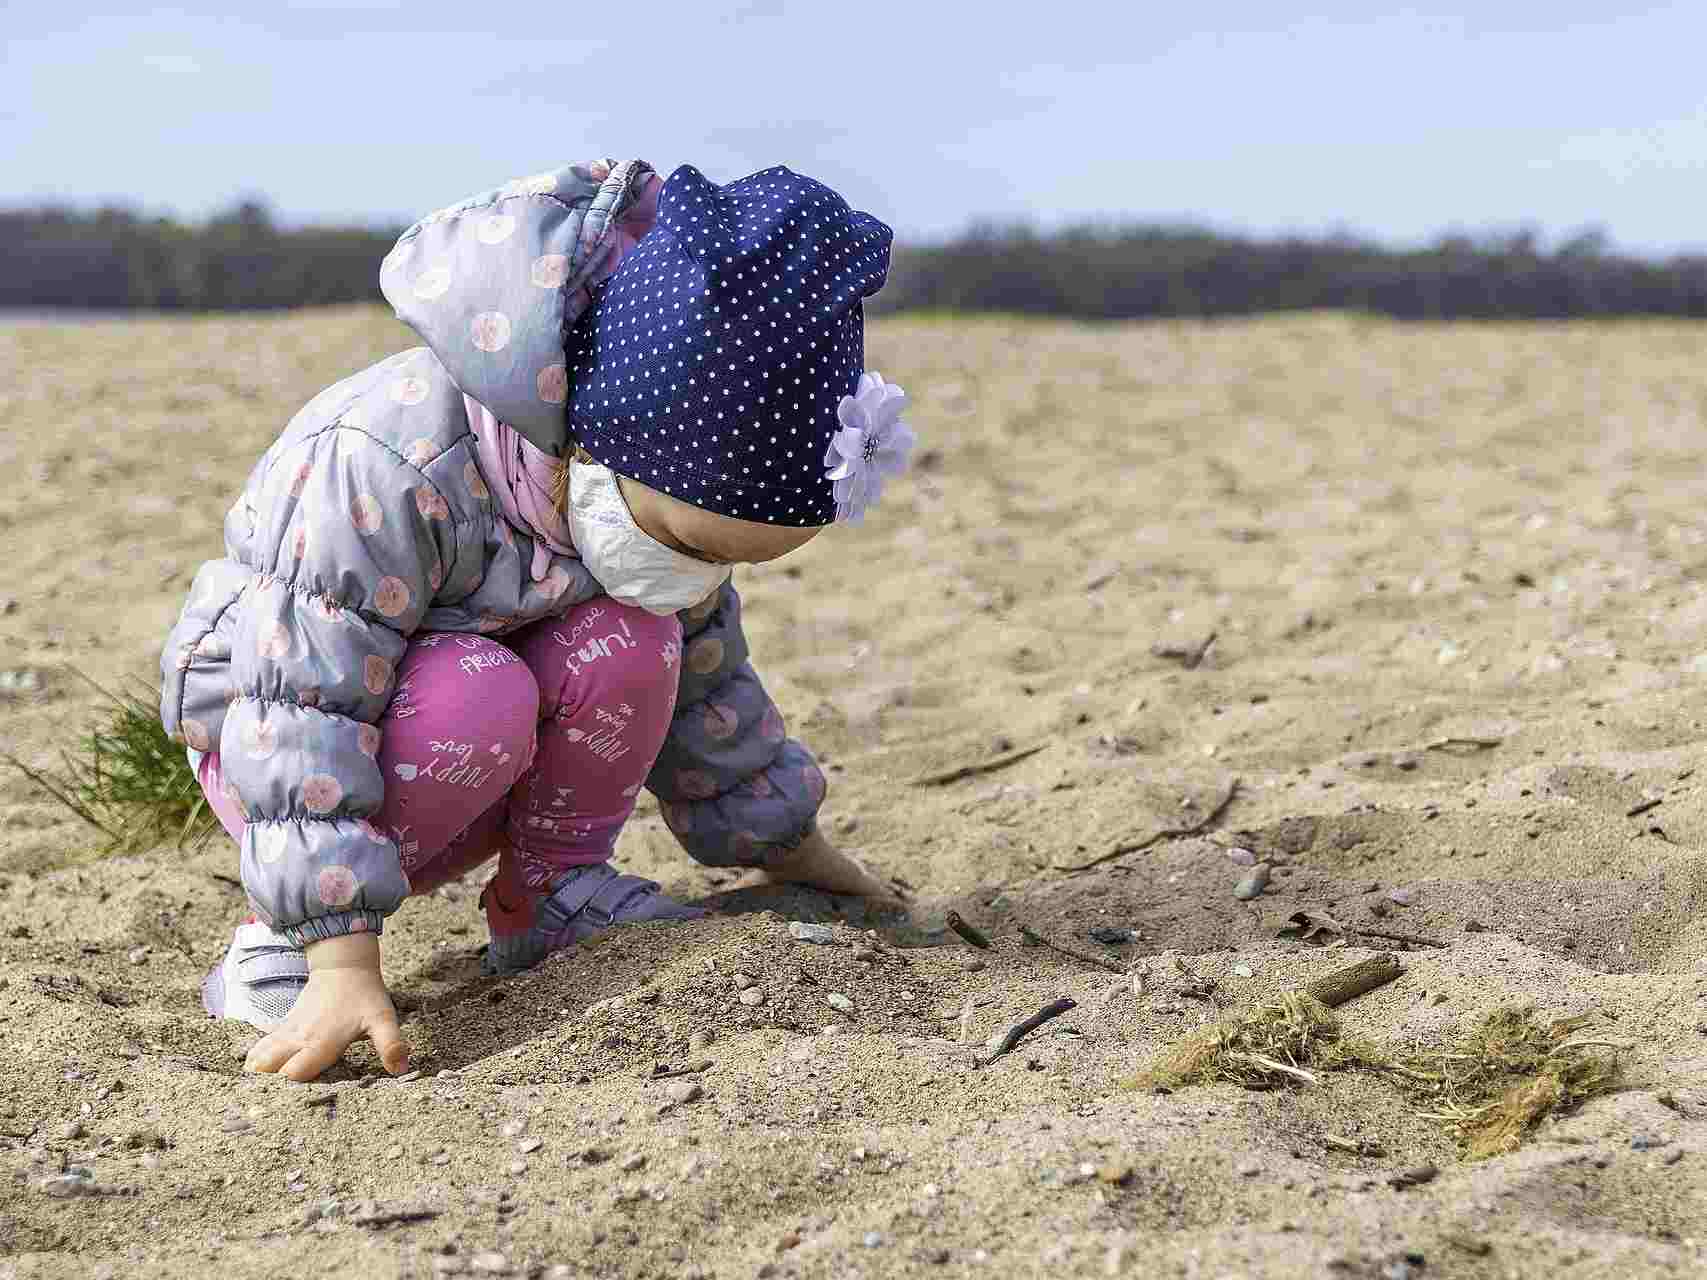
x,y
1343,985
690,1069
230,880
395,1215
1453,744
1038,940
1195,658
967,932
1172,833
974,770
1020,1030
1636,811
322,1100
1411,938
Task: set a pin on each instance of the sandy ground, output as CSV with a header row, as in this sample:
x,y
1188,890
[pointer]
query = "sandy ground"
x,y
1398,536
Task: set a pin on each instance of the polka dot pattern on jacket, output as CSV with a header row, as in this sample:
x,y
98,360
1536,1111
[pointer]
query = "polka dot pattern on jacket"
x,y
712,366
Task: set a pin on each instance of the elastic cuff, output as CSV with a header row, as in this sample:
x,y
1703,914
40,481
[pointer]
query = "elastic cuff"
x,y
320,928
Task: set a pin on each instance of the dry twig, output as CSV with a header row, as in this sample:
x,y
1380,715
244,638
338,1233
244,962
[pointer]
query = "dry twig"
x,y
1171,833
974,770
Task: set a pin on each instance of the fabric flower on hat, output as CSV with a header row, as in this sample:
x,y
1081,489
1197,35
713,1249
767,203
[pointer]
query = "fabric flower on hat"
x,y
871,446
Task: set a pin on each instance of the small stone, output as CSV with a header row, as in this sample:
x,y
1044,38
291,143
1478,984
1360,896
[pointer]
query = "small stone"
x,y
682,1091
752,997
837,1001
513,1128
975,964
1253,883
1406,761
137,955
490,1263
1646,1142
873,1240
518,1167
742,981
818,934
295,1175
72,1129
1249,1169
1244,971
1672,1157
937,1256
1111,936
633,1164
930,1191
1403,897
529,1145
1241,857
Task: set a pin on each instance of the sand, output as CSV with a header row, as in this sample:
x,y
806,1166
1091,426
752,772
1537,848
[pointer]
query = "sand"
x,y
1401,537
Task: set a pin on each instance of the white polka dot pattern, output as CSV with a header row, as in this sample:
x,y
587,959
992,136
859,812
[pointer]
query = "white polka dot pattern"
x,y
713,364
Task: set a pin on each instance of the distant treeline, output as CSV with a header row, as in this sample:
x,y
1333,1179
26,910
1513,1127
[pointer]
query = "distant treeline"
x,y
114,259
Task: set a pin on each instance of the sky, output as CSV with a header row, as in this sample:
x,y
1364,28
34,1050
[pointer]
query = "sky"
x,y
1393,122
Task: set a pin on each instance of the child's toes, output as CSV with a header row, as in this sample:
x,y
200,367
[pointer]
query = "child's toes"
x,y
271,1052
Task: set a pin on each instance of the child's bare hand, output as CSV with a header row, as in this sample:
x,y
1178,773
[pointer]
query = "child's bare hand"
x,y
345,999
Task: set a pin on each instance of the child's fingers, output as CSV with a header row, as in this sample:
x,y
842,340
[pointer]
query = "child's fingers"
x,y
271,1052
314,1057
388,1041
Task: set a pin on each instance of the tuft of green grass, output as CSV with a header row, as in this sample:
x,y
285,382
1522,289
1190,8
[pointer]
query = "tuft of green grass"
x,y
127,779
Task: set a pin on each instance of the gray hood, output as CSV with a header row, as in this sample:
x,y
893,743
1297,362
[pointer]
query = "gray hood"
x,y
494,283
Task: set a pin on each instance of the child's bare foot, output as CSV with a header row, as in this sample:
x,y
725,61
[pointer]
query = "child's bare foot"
x,y
816,863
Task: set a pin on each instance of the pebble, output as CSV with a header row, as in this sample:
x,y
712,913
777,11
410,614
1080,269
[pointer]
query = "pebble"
x,y
633,1164
752,997
1243,857
518,1167
529,1145
75,1181
742,981
513,1128
818,934
679,1091
1404,897
137,955
975,964
72,1129
836,1000
490,1263
1243,970
1646,1142
1672,1157
1249,1170
19,682
1253,883
873,1240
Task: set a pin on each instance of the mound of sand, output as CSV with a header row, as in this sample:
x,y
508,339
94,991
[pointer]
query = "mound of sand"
x,y
1454,580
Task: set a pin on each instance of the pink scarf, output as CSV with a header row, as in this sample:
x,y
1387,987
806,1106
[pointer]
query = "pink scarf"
x,y
519,477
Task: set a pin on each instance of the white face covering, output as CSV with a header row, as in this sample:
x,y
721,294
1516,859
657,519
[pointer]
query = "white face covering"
x,y
633,568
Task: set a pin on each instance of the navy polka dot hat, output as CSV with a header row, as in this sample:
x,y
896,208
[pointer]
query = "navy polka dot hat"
x,y
712,365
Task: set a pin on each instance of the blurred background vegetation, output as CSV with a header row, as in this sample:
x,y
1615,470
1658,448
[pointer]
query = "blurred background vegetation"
x,y
114,259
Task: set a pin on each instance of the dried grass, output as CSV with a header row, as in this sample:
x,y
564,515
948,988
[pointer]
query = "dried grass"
x,y
1266,1045
127,779
1493,1087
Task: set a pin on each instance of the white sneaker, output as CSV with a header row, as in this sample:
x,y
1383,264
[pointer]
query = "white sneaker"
x,y
259,979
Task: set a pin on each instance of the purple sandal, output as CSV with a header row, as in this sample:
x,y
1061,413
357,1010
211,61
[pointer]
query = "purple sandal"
x,y
586,901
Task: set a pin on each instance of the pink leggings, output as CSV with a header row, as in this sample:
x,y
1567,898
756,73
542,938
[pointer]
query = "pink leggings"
x,y
535,748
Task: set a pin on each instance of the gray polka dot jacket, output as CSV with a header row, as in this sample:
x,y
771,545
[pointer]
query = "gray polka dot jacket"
x,y
369,520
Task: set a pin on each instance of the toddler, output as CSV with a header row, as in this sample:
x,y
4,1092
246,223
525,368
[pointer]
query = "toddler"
x,y
477,595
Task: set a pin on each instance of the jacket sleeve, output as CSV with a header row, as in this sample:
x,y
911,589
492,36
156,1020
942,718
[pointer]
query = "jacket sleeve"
x,y
730,781
349,545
